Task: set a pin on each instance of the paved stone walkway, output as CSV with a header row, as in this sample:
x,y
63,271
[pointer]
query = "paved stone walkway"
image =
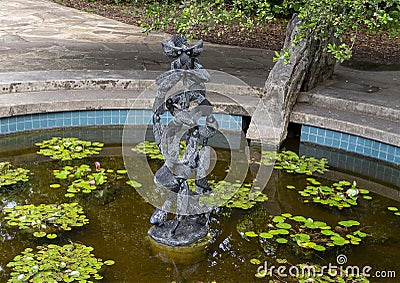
x,y
41,35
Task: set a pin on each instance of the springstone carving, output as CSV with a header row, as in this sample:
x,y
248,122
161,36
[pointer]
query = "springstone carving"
x,y
187,105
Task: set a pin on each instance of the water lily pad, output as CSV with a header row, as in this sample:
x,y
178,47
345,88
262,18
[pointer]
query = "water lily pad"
x,y
261,274
340,195
302,237
310,234
360,234
339,242
39,234
299,218
281,260
46,218
232,195
281,240
286,215
278,218
68,148
319,248
283,225
134,184
265,235
282,231
313,181
393,208
10,176
292,163
68,263
251,234
255,261
349,223
109,262
55,186
86,179
328,232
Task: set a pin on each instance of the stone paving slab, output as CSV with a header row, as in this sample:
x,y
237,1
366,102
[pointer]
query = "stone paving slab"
x,y
33,20
42,35
65,55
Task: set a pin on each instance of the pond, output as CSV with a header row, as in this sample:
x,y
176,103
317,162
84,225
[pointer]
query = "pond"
x,y
119,220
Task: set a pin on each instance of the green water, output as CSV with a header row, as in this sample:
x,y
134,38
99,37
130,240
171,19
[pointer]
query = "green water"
x,y
119,222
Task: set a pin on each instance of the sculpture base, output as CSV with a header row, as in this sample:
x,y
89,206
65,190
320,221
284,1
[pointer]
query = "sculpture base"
x,y
189,230
188,254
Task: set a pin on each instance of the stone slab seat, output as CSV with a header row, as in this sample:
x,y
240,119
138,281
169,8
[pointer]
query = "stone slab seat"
x,y
12,104
68,90
381,103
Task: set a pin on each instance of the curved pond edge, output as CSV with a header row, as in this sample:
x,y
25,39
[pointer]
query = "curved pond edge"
x,y
350,143
49,99
101,117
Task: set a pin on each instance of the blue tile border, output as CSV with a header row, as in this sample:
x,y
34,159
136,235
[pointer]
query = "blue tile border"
x,y
350,143
371,169
28,122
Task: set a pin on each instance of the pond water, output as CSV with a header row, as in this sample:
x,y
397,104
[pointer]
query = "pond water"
x,y
119,221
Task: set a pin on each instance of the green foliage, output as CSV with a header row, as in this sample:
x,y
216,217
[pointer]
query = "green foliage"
x,y
292,163
134,184
323,19
393,23
284,55
309,234
69,263
85,180
46,219
152,151
149,148
193,16
11,176
394,209
342,194
233,195
267,158
68,148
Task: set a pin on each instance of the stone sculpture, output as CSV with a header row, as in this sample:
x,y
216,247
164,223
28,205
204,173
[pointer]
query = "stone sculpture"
x,y
187,105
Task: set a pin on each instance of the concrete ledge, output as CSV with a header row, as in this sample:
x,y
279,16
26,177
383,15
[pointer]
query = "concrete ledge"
x,y
18,82
36,92
14,104
35,81
382,104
